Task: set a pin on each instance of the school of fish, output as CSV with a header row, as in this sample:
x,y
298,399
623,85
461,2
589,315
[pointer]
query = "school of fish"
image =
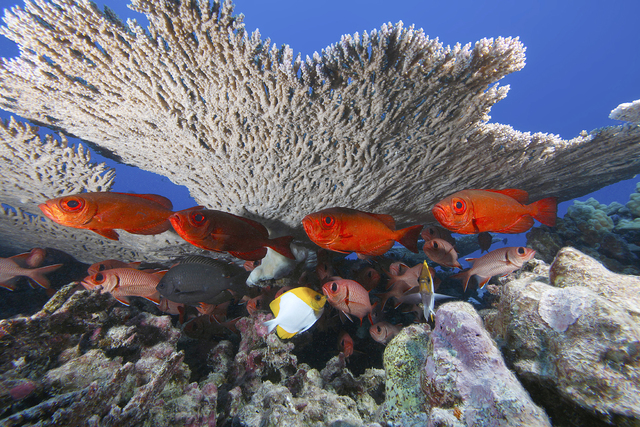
x,y
206,287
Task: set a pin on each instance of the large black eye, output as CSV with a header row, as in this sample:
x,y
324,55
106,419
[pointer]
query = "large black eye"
x,y
72,204
521,250
435,245
328,220
369,274
459,206
102,267
160,286
99,277
334,286
197,218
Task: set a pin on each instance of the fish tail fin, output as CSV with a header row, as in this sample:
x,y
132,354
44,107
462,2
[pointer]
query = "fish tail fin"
x,y
37,274
546,211
408,237
464,277
271,324
282,245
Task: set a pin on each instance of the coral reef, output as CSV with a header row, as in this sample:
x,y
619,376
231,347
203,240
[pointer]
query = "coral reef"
x,y
575,341
223,111
86,360
608,233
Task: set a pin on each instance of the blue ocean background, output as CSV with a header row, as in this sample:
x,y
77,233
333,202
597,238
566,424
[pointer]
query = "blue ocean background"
x,y
582,60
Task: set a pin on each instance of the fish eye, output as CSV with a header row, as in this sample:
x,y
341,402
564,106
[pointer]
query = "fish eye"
x,y
369,273
435,245
102,267
318,297
197,218
99,277
379,329
521,250
328,221
459,206
160,286
72,204
334,286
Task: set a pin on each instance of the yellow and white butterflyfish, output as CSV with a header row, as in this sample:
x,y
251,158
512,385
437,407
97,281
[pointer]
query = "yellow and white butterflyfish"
x,y
295,311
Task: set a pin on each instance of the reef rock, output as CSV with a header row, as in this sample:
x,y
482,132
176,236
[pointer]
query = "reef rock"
x,y
575,341
84,359
453,376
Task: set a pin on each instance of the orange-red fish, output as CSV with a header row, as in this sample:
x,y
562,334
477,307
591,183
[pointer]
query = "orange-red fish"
x,y
349,230
104,212
383,332
123,283
496,263
349,297
499,211
10,271
440,251
224,232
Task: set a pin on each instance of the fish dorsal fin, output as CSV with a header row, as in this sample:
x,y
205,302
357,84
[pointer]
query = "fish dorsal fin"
x,y
520,195
386,220
259,227
161,200
199,259
275,306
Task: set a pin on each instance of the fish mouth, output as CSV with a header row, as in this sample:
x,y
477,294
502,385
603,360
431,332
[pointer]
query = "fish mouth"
x,y
47,211
438,212
176,222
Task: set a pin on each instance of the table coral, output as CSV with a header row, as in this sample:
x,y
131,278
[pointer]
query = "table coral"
x,y
374,120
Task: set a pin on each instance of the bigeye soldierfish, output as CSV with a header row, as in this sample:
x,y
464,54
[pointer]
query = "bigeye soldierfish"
x,y
499,211
102,212
224,232
123,283
349,230
442,252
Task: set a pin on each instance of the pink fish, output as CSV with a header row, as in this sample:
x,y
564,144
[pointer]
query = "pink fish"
x,y
10,271
496,263
368,277
123,283
442,252
108,264
345,344
349,297
383,332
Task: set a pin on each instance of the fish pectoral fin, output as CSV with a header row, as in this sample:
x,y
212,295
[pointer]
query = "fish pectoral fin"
x,y
108,233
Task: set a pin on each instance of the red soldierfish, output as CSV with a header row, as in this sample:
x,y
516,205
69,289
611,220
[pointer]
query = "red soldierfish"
x,y
349,297
104,212
224,232
345,344
440,251
349,230
499,211
496,263
108,264
10,271
122,283
383,332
